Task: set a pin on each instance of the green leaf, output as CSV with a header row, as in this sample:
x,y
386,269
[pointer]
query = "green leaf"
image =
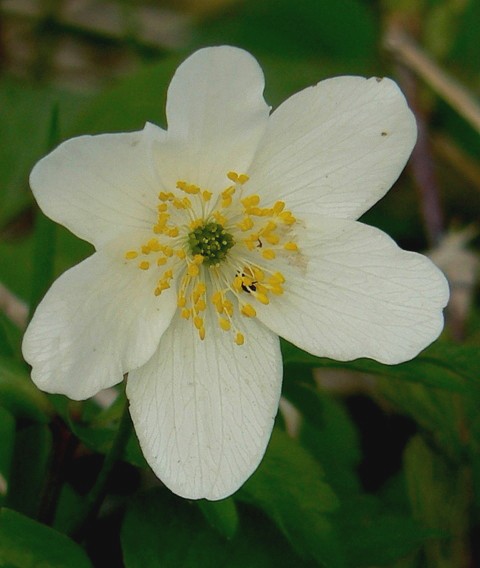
x,y
289,487
443,366
99,427
7,437
385,539
163,530
31,457
16,268
466,51
328,433
45,232
6,347
19,395
222,515
24,122
134,101
69,503
25,543
440,494
436,411
344,30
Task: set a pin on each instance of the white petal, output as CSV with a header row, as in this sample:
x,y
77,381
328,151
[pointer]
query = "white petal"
x,y
98,186
99,320
336,148
354,293
216,114
204,410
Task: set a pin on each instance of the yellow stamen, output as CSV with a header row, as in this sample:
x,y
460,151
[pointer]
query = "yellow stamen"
x,y
262,230
237,283
258,273
224,324
193,269
219,218
263,298
239,339
248,310
268,254
272,239
228,307
287,218
153,245
277,277
250,201
277,290
245,224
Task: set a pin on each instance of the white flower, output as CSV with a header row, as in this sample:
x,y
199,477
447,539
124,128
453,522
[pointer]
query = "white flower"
x,y
215,237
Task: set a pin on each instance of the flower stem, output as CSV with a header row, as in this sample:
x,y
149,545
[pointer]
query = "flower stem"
x,y
95,497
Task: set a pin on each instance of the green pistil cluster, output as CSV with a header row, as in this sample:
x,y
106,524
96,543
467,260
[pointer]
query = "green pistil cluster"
x,y
211,241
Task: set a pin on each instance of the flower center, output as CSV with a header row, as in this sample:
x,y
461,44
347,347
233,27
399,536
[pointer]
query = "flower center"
x,y
211,241
221,254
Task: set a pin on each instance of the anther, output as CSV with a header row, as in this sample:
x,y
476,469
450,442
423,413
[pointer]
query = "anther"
x,y
248,310
239,339
224,324
268,254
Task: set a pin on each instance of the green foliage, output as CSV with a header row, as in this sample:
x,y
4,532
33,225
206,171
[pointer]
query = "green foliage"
x,y
439,496
162,530
289,486
222,515
329,434
25,124
31,456
447,367
128,106
25,543
19,395
341,30
7,435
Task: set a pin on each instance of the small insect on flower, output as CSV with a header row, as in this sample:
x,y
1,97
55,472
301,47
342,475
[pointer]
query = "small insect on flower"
x,y
213,238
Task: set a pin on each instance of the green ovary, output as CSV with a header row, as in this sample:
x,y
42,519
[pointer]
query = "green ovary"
x,y
211,241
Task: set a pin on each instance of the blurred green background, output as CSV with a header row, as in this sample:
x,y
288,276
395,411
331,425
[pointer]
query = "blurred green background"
x,y
369,465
